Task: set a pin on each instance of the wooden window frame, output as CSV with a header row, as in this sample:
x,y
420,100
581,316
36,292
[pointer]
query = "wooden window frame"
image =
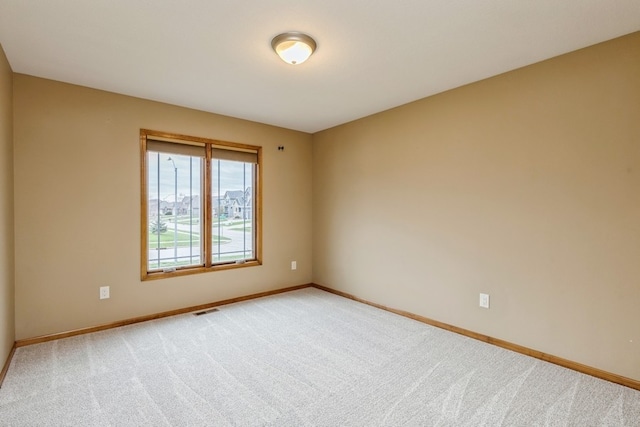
x,y
208,265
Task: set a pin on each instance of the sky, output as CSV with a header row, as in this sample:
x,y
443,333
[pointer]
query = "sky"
x,y
232,176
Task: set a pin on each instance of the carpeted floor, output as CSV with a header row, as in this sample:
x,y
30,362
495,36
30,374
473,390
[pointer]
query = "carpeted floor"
x,y
302,358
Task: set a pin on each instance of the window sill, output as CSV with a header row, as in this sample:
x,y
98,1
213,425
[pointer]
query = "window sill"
x,y
153,275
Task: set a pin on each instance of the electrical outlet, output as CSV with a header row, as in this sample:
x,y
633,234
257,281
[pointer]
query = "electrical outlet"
x,y
104,292
484,300
294,265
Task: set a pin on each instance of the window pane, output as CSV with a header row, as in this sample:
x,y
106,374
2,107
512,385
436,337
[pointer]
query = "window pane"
x,y
175,210
232,201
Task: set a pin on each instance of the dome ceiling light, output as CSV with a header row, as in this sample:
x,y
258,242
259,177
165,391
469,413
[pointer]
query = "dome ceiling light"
x,y
293,47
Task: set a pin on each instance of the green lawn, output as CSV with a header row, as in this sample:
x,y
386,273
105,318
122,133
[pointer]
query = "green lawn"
x,y
187,221
166,239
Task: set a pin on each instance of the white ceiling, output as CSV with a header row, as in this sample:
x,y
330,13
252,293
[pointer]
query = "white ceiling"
x,y
215,55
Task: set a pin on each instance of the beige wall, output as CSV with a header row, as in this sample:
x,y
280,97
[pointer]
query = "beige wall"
x,y
77,207
7,326
525,186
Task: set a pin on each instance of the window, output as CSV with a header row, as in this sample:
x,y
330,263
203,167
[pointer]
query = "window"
x,y
200,205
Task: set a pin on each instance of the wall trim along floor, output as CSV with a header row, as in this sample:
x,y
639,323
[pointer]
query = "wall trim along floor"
x,y
598,373
5,368
57,336
88,330
594,372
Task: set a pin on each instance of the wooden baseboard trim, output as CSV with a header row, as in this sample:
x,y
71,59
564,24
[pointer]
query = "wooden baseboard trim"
x,y
5,368
594,372
88,330
598,373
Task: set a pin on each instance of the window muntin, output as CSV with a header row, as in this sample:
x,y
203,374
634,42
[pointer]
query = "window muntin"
x,y
200,205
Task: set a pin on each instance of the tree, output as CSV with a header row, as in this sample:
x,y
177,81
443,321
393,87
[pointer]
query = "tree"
x,y
158,227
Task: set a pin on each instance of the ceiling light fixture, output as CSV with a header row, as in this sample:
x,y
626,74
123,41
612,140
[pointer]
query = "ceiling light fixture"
x,y
293,47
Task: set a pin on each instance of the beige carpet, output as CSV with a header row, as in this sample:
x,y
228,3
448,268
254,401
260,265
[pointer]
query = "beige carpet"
x,y
303,358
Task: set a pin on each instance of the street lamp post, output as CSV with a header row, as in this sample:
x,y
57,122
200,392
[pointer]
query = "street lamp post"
x,y
175,212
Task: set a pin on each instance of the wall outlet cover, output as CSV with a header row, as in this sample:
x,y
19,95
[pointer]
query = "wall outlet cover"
x,y
484,300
